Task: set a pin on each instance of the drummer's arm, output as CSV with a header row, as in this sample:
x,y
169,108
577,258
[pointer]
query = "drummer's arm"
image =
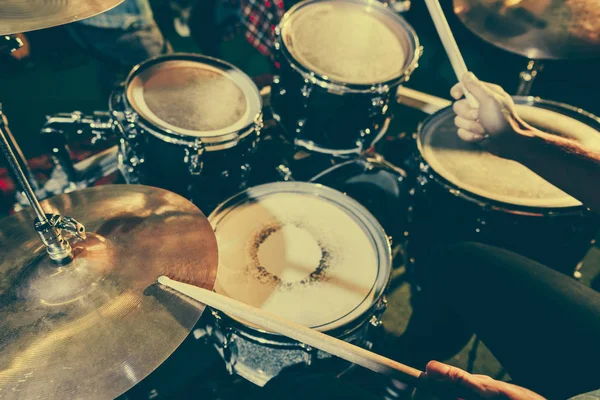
x,y
563,162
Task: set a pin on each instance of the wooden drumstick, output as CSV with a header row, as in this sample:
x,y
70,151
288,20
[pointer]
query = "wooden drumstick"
x,y
301,333
427,103
456,58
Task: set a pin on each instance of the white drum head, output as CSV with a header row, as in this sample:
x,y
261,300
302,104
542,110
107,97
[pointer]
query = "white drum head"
x,y
302,251
192,98
472,169
353,42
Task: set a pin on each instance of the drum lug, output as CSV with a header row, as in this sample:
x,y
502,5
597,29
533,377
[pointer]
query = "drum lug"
x,y
229,351
130,124
481,222
375,321
381,306
194,158
306,90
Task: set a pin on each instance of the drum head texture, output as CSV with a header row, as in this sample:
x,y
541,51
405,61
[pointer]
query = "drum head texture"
x,y
302,251
193,98
348,41
472,169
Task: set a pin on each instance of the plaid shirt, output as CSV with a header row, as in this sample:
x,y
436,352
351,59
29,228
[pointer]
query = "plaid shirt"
x,y
259,19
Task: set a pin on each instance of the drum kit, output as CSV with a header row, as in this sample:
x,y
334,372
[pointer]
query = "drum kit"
x,y
300,204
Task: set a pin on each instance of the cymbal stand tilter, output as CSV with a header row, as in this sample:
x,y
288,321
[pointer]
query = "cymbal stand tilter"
x,y
48,226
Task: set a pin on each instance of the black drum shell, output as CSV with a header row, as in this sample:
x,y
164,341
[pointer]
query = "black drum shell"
x,y
329,116
223,172
442,213
382,188
154,156
559,239
330,120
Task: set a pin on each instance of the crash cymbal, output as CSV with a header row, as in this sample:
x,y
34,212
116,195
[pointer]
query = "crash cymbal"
x,y
17,16
536,29
96,327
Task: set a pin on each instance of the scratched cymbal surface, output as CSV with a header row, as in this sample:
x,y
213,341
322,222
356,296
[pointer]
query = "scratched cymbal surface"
x,y
96,327
17,16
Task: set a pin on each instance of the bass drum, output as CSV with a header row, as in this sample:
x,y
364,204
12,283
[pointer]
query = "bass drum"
x,y
191,125
464,193
290,248
381,187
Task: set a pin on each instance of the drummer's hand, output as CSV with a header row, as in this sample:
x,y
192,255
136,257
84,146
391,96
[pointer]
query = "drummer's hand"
x,y
495,118
470,386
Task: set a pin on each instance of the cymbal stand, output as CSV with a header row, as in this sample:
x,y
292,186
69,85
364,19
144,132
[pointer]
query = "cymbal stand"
x,y
527,77
48,226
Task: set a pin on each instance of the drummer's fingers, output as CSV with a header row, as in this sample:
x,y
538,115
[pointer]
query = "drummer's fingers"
x,y
469,125
464,110
468,136
457,91
495,88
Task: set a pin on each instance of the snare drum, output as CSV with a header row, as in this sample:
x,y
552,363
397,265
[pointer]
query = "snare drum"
x,y
340,64
307,253
464,193
191,125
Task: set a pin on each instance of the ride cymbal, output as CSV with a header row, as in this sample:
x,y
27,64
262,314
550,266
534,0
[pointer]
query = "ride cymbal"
x,y
536,29
17,16
96,327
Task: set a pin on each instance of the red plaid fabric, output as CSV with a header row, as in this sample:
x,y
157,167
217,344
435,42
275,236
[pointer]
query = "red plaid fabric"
x,y
260,17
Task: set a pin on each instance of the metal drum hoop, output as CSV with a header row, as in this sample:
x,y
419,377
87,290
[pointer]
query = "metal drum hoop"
x,y
212,143
338,86
382,243
275,340
489,204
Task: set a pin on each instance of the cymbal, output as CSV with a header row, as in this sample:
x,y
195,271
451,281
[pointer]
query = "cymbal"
x,y
96,327
536,29
17,16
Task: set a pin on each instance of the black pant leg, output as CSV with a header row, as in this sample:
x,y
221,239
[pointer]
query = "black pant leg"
x,y
543,326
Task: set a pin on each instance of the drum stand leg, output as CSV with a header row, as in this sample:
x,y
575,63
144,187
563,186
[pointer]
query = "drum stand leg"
x,y
527,77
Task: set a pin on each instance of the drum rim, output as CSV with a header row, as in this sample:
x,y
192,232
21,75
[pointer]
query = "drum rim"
x,y
171,136
375,230
326,82
425,167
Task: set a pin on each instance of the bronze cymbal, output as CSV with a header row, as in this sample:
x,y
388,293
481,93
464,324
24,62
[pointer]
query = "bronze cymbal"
x,y
96,327
536,29
17,16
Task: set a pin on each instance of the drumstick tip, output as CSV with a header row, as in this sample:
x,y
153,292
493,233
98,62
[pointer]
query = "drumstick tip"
x,y
164,280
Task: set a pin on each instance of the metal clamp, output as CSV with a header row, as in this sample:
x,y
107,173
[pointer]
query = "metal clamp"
x,y
50,232
99,124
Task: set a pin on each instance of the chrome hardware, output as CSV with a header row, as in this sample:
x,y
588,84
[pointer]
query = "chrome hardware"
x,y
194,158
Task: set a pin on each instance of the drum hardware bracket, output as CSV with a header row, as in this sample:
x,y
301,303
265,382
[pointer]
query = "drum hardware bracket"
x,y
526,77
99,124
50,231
48,226
194,158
